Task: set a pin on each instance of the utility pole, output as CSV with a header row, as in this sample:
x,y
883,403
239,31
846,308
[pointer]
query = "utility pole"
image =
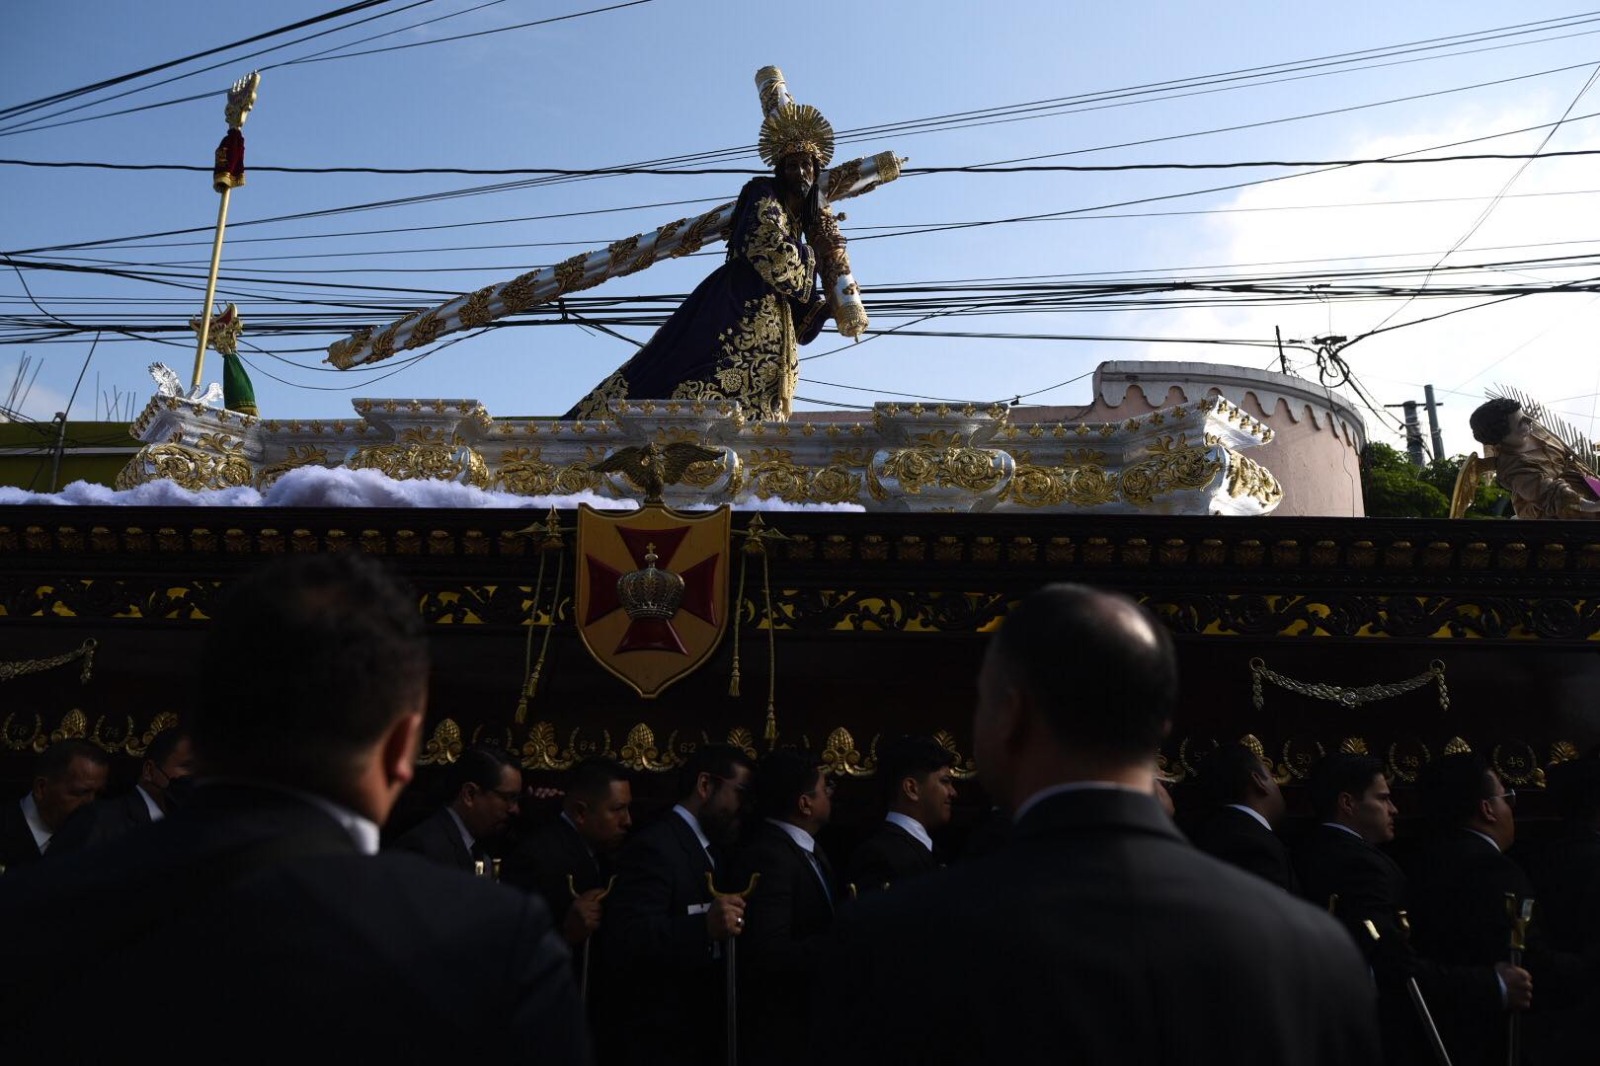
x,y
1433,421
1413,433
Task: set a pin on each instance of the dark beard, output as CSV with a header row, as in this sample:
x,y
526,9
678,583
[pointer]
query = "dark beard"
x,y
801,201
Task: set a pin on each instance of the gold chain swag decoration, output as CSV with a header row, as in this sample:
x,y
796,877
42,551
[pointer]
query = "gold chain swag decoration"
x,y
23,667
756,536
531,670
1347,697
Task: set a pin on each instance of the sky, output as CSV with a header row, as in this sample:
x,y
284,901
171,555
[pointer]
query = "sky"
x,y
982,285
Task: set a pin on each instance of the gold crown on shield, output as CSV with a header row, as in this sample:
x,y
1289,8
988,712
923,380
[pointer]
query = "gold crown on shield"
x,y
795,128
650,593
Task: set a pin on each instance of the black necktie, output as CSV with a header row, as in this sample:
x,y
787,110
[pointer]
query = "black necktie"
x,y
824,872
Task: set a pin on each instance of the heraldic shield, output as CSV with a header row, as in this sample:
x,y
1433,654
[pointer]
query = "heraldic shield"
x,y
652,591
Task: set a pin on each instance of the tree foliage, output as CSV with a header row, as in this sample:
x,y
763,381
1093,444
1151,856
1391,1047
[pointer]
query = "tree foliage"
x,y
1395,489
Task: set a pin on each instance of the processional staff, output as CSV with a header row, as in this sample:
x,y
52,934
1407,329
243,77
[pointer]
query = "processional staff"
x,y
221,331
1519,917
632,254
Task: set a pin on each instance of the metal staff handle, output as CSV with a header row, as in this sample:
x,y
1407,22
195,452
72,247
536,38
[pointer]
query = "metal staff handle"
x,y
733,972
1424,1015
583,966
1519,918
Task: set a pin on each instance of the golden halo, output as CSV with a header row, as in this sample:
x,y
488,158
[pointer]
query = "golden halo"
x,y
795,128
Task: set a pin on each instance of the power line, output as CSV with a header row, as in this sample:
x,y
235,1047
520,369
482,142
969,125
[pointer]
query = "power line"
x,y
45,101
975,168
43,123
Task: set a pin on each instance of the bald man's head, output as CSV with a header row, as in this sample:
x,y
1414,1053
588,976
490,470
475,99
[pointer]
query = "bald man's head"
x,y
1098,668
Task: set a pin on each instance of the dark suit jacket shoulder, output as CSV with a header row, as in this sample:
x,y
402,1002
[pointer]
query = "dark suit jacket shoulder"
x,y
544,861
1332,862
101,821
1236,838
787,919
17,847
788,913
888,856
656,952
436,837
281,918
1092,929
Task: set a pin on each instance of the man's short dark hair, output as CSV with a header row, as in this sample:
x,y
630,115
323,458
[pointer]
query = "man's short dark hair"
x,y
1491,421
481,765
164,743
718,760
308,662
1101,667
782,777
54,761
591,780
910,756
1337,774
1225,773
1453,787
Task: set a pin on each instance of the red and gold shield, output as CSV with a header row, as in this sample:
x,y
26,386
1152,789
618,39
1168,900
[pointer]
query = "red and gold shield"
x,y
652,591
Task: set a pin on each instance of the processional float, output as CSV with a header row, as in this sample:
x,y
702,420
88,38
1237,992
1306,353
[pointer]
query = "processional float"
x,y
676,239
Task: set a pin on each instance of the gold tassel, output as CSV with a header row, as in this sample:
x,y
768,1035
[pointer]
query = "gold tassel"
x,y
738,614
530,669
528,681
771,732
555,604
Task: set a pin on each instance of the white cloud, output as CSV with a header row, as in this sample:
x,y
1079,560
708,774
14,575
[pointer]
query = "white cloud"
x,y
1538,343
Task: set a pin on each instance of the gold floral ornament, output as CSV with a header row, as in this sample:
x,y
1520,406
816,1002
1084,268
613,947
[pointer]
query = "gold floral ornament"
x,y
792,129
444,747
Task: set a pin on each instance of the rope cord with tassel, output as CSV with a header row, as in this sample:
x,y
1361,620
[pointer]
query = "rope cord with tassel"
x,y
531,669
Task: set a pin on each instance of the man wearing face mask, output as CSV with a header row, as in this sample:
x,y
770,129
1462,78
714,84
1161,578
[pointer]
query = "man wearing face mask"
x,y
69,775
735,337
168,763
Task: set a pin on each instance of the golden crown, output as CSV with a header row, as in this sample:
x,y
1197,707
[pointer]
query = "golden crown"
x,y
795,128
650,593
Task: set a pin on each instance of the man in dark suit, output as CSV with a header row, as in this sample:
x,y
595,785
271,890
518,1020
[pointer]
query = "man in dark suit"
x,y
259,908
789,913
919,792
1565,871
661,942
1341,866
1457,891
488,788
1247,806
69,775
568,861
1097,931
168,761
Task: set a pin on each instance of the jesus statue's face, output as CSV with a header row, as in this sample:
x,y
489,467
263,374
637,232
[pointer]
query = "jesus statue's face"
x,y
799,172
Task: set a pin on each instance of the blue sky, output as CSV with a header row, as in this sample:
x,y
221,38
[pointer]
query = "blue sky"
x,y
672,77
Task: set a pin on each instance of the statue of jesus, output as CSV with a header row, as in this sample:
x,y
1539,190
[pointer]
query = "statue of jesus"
x,y
736,337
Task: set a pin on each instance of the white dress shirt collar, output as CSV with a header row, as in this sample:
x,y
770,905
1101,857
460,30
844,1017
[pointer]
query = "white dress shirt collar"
x,y
363,830
36,826
694,827
1252,812
806,841
1345,829
156,813
912,826
461,827
1486,838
